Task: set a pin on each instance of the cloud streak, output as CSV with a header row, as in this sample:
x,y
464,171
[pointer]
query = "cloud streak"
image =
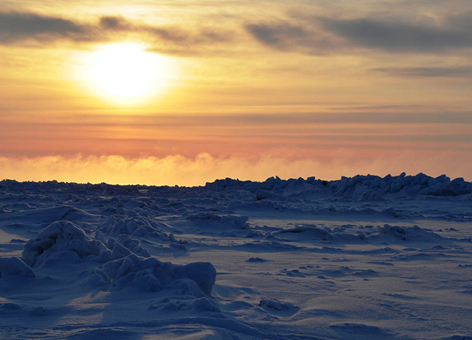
x,y
427,72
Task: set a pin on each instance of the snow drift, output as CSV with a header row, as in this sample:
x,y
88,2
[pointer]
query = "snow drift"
x,y
151,275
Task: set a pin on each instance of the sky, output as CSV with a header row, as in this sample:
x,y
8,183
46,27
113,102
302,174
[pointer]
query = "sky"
x,y
183,92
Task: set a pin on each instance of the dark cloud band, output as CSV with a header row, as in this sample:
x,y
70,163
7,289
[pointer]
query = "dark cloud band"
x,y
15,26
28,28
321,35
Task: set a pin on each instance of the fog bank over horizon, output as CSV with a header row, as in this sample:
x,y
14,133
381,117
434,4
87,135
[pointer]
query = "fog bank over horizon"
x,y
185,171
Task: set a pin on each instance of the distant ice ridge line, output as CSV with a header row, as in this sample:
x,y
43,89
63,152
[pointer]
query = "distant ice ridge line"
x,y
362,187
365,187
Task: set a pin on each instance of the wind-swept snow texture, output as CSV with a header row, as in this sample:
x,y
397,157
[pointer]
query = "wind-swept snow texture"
x,y
358,258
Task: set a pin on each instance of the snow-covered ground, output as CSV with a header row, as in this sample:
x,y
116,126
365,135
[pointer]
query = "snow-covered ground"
x,y
359,258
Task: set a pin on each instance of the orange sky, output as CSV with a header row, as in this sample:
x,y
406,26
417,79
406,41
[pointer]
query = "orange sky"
x,y
239,89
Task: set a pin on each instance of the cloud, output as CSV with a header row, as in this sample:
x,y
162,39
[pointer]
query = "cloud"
x,y
280,35
173,34
314,34
179,170
291,36
461,21
18,28
428,72
114,23
397,36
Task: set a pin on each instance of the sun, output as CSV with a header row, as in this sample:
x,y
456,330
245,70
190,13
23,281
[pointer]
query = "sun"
x,y
126,74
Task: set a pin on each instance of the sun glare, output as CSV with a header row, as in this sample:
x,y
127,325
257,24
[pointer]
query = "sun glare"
x,y
126,74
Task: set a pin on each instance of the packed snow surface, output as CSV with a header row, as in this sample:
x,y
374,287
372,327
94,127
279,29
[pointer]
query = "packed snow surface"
x,y
357,258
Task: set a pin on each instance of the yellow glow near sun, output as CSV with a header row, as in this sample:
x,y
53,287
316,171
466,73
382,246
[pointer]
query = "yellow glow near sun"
x,y
126,74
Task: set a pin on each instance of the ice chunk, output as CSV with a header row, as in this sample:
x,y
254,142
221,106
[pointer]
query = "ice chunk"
x,y
60,240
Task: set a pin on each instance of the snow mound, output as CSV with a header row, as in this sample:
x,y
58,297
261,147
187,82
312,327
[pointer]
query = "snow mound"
x,y
61,240
49,215
256,260
414,233
124,246
137,226
313,233
151,275
304,233
8,307
199,305
361,331
345,234
104,333
13,266
231,221
270,246
277,305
